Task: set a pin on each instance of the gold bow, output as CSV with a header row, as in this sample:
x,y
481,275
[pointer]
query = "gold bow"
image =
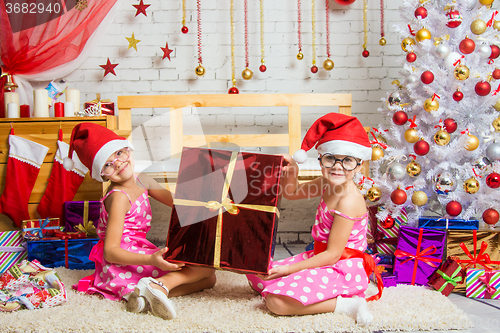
x,y
98,99
87,227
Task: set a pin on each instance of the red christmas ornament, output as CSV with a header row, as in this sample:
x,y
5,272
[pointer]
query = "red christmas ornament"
x,y
496,74
493,180
482,88
495,51
450,125
490,216
400,118
166,52
141,8
109,68
365,53
467,46
345,2
453,208
421,12
411,57
421,147
388,222
184,29
398,196
427,77
458,96
233,90
262,68
454,18
314,69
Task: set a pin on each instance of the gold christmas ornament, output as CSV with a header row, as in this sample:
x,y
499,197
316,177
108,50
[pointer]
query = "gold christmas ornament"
x,y
419,198
300,56
382,41
247,74
200,70
411,135
442,138
496,25
377,153
461,72
497,105
431,105
407,43
485,2
471,185
374,194
496,124
328,64
413,169
472,143
478,27
424,34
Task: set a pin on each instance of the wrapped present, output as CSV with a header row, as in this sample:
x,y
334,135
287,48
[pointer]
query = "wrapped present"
x,y
418,254
447,277
70,250
82,216
382,235
432,222
12,249
389,279
226,209
107,107
41,228
483,284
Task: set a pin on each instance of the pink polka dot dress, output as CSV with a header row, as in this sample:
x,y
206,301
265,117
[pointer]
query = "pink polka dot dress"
x,y
346,278
115,281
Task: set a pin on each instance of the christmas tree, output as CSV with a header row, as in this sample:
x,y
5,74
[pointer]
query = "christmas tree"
x,y
439,149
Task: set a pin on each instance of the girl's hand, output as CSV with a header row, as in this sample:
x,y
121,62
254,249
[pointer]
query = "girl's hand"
x,y
289,164
275,272
158,261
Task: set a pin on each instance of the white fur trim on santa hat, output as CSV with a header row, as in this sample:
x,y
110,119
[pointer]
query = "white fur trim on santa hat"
x,y
340,147
104,153
300,156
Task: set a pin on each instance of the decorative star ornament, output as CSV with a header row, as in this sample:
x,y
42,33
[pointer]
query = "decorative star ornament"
x,y
166,52
132,42
109,68
141,8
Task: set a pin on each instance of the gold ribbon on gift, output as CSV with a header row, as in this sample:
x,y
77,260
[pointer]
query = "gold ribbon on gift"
x,y
87,226
98,99
225,204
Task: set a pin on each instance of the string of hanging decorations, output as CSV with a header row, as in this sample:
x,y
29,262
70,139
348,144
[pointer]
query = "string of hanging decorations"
x,y
328,63
233,89
365,52
262,67
184,28
300,55
247,73
314,68
200,70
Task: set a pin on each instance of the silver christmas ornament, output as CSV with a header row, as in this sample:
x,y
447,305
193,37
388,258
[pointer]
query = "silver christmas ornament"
x,y
481,165
396,171
442,51
445,183
484,51
398,98
493,152
468,4
412,81
451,59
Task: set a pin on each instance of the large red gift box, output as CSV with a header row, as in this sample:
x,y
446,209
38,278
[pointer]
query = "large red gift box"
x,y
226,210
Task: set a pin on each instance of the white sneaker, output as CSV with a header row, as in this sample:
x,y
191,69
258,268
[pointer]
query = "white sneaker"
x,y
161,305
136,303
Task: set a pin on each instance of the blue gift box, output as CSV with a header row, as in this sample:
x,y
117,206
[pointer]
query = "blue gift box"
x,y
435,222
70,253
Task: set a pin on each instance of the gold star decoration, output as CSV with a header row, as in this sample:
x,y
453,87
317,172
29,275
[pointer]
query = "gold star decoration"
x,y
132,42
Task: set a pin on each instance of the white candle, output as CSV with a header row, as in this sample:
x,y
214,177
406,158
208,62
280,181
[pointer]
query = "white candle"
x,y
73,95
41,101
69,109
13,110
10,97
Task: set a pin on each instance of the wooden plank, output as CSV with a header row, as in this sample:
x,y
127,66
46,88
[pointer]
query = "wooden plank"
x,y
294,130
345,110
242,140
176,131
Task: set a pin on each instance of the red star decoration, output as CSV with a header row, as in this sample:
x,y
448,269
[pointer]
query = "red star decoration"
x,y
109,68
166,52
141,8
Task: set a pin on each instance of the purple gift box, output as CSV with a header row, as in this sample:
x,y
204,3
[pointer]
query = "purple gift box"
x,y
419,254
82,216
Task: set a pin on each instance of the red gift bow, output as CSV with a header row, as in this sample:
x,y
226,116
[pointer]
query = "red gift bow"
x,y
481,258
418,256
486,278
65,236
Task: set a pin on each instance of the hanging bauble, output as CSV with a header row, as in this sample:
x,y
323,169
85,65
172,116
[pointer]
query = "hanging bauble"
x,y
233,91
300,56
484,51
485,2
262,68
398,196
397,98
200,70
493,180
496,124
482,88
419,198
412,81
442,138
461,72
451,60
413,169
377,153
496,106
453,208
382,41
365,53
493,152
471,185
373,194
314,69
490,216
481,165
345,2
421,12
454,18
467,46
421,147
388,223
247,74
407,44
496,74
450,125
184,29
478,27
444,183
458,96
431,104
411,57
427,77
442,50
472,142
328,64
396,171
422,35
496,25
400,118
495,52
411,135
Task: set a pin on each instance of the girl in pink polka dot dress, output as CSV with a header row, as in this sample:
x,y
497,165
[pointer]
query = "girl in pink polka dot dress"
x,y
127,265
333,276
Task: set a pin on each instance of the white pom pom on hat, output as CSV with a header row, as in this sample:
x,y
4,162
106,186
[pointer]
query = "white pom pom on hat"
x,y
336,133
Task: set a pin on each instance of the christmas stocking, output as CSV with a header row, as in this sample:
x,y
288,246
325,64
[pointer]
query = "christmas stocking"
x,y
63,184
23,166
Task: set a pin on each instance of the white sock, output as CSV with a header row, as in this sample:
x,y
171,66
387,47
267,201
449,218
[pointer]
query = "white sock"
x,y
355,308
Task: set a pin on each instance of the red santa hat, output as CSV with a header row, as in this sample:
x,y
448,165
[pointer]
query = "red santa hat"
x,y
337,134
93,144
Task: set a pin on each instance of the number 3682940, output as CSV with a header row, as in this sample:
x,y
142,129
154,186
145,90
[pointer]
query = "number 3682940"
x,y
32,8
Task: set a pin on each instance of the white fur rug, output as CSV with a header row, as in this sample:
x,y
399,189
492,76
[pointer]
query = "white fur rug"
x,y
232,306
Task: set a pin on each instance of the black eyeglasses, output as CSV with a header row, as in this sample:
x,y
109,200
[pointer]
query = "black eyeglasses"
x,y
349,163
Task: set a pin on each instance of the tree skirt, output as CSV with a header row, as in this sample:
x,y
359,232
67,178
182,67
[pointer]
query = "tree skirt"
x,y
232,306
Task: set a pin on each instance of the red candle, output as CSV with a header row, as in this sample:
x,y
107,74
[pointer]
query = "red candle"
x,y
59,109
25,110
